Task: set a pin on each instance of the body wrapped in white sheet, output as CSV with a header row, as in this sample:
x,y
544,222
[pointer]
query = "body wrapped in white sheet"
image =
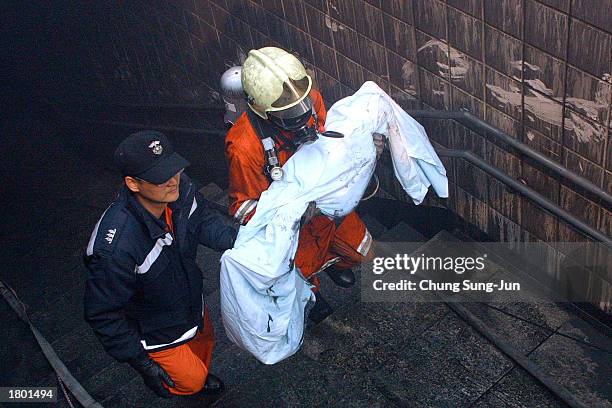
x,y
263,295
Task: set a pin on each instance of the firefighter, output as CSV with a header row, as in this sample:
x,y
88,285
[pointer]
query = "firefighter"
x,y
144,294
283,112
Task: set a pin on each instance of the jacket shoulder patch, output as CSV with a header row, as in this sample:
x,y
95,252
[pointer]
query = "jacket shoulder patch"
x,y
106,232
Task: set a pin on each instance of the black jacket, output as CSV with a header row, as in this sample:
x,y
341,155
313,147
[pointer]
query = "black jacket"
x,y
144,288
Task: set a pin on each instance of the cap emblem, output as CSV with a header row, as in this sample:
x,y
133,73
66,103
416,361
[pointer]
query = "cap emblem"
x,y
156,147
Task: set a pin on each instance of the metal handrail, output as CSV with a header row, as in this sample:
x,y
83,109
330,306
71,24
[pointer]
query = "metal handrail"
x,y
521,147
527,192
439,114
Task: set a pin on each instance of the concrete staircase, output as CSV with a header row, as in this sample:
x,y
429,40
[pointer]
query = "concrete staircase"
x,y
367,354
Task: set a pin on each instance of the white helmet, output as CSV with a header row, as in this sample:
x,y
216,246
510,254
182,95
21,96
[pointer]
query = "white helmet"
x,y
276,83
232,94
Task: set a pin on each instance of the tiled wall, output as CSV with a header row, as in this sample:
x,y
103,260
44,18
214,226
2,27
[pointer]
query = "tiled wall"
x,y
541,70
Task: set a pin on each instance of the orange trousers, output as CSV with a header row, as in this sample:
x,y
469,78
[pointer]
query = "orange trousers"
x,y
188,363
321,242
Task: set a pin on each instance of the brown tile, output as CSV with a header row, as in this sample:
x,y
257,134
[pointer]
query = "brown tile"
x,y
543,72
399,37
543,114
507,15
609,150
504,122
241,32
221,18
501,229
325,58
473,7
369,22
432,54
226,4
596,12
579,206
347,42
500,197
471,179
605,222
584,136
503,52
208,34
504,200
343,11
503,160
546,28
465,139
274,6
204,11
402,73
349,72
543,144
295,13
404,99
562,5
259,39
257,16
467,73
430,16
463,101
401,9
582,167
538,222
300,43
329,87
373,56
465,33
568,233
472,210
277,28
434,91
380,81
540,181
317,26
587,95
319,4
594,58
440,131
503,93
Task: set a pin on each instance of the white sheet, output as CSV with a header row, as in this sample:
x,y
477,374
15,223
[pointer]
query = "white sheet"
x,y
263,295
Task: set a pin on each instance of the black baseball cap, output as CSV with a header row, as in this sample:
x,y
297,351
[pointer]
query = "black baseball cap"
x,y
149,156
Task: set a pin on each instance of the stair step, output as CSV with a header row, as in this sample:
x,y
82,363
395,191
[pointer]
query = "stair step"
x,y
214,193
301,382
373,225
402,232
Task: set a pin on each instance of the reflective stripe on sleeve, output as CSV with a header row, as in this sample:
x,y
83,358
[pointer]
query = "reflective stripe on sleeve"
x,y
366,243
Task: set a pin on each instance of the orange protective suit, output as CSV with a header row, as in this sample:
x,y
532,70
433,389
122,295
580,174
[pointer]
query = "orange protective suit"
x,y
188,363
321,243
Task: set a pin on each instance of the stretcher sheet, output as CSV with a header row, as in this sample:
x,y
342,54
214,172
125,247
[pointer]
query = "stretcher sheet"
x,y
263,294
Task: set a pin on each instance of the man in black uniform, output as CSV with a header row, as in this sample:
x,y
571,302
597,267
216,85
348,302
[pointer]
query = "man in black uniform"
x,y
144,296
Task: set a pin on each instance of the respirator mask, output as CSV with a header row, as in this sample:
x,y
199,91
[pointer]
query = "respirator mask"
x,y
295,119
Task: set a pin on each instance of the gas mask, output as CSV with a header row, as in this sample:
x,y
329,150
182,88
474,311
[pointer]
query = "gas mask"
x,y
295,119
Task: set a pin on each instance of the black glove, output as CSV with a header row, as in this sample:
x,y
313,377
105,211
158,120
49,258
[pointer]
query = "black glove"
x,y
153,374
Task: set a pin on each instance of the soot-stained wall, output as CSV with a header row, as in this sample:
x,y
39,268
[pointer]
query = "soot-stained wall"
x,y
538,69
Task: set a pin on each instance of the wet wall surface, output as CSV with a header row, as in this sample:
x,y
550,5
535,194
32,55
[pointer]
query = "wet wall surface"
x,y
538,69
